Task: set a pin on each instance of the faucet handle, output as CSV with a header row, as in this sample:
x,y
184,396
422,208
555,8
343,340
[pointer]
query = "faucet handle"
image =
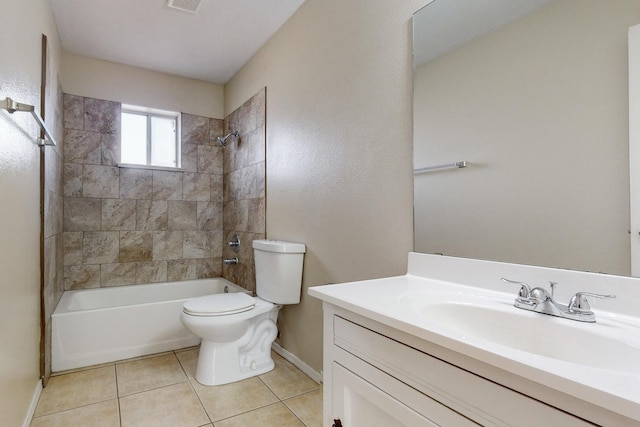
x,y
525,289
579,301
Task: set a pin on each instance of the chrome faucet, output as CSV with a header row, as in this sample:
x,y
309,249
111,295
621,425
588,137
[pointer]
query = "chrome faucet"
x,y
230,261
540,300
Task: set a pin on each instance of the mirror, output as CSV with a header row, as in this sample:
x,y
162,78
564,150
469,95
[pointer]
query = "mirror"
x,y
534,96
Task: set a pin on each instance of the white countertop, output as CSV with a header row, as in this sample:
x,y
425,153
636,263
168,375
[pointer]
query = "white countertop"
x,y
404,303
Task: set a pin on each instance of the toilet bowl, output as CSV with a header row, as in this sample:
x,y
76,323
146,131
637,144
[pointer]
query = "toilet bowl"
x,y
237,330
236,343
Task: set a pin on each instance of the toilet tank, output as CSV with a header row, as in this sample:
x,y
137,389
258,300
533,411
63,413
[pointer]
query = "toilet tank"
x,y
278,270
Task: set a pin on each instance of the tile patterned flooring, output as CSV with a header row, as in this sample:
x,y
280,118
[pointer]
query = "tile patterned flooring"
x,y
160,390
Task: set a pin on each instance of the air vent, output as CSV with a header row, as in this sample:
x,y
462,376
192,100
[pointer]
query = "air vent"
x,y
190,6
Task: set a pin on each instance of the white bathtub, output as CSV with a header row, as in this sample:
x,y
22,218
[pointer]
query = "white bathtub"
x,y
94,326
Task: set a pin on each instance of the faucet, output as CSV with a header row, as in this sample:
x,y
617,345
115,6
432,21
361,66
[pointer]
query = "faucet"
x,y
540,300
229,261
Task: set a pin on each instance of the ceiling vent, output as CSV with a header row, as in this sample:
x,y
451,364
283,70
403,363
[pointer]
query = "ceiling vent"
x,y
190,6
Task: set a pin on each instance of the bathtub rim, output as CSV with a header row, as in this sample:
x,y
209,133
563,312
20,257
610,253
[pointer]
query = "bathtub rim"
x,y
63,306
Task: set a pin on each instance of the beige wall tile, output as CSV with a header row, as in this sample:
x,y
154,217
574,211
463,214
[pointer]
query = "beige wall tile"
x,y
197,187
210,159
181,269
110,149
196,244
208,267
117,274
73,112
81,277
100,181
72,179
136,246
167,185
189,157
81,214
209,216
151,272
72,246
151,215
101,116
136,183
216,129
100,247
118,214
195,129
81,146
167,245
182,215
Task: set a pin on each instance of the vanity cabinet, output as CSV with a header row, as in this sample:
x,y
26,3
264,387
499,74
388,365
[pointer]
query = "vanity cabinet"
x,y
378,376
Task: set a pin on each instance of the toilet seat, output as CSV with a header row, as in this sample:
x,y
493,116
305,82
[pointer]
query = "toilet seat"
x,y
219,304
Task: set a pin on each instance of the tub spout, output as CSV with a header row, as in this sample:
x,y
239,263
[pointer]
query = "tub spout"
x,y
228,261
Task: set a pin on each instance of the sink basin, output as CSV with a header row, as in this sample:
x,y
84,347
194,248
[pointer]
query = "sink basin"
x,y
483,321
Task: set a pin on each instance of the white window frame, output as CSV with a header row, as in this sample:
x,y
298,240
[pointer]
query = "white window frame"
x,y
152,112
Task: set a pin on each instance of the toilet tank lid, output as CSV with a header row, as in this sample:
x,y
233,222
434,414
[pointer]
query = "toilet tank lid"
x,y
279,246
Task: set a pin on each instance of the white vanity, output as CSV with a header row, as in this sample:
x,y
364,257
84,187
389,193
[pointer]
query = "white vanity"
x,y
444,345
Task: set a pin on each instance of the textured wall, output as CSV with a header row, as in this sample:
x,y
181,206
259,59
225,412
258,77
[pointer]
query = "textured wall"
x,y
339,146
20,219
129,225
99,79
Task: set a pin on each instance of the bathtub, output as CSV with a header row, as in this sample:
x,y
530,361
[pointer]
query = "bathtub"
x,y
92,326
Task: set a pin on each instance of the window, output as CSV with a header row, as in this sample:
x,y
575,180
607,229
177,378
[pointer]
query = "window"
x,y
149,137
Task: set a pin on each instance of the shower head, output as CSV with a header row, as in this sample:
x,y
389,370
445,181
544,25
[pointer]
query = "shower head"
x,y
222,140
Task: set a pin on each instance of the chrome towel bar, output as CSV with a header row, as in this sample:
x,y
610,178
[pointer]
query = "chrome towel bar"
x,y
12,106
462,164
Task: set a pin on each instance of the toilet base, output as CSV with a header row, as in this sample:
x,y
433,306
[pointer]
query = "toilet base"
x,y
223,363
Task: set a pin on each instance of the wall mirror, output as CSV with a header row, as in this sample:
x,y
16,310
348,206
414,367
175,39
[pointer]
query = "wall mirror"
x,y
534,96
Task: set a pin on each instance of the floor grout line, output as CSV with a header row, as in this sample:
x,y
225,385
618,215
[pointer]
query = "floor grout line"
x,y
192,386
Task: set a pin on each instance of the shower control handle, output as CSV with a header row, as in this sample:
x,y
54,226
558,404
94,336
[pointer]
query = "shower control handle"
x,y
234,243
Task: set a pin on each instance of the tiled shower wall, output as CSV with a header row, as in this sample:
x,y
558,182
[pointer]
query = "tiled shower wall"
x,y
124,226
244,187
111,226
52,272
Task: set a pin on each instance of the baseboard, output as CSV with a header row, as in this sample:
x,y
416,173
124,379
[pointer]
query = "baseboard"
x,y
295,361
32,406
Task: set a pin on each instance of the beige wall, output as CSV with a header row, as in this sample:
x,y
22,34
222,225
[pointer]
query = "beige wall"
x,y
540,110
24,22
137,86
339,147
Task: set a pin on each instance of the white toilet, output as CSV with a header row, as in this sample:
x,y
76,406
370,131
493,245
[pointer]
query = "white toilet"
x,y
237,330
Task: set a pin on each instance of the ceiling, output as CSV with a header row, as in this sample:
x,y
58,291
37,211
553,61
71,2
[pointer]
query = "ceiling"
x,y
210,45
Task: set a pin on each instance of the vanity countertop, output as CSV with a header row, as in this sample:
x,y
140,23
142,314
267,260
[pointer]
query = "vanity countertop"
x,y
461,305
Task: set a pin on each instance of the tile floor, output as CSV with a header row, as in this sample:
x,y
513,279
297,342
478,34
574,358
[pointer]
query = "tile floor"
x,y
160,390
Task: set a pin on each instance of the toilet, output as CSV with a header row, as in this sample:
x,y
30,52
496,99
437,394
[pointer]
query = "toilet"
x,y
237,330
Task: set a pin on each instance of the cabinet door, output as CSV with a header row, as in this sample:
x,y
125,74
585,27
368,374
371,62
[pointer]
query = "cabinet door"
x,y
359,403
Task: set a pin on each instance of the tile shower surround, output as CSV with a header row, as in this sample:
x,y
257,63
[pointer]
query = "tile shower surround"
x,y
129,225
244,187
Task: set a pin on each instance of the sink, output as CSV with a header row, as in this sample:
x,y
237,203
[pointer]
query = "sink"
x,y
483,321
